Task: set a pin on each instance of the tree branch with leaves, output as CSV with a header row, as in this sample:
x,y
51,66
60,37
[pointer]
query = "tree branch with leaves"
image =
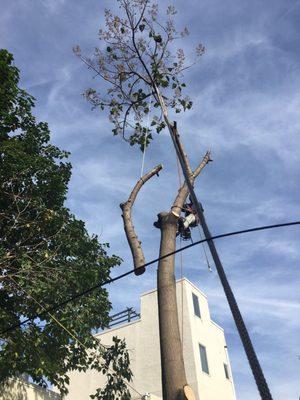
x,y
46,256
139,69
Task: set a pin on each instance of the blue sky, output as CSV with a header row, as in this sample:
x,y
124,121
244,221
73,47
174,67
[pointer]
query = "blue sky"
x,y
246,110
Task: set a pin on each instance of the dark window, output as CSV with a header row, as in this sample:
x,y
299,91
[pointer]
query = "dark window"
x,y
196,306
226,371
203,357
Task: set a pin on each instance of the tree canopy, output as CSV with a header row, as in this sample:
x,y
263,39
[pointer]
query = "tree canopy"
x,y
46,254
138,59
141,73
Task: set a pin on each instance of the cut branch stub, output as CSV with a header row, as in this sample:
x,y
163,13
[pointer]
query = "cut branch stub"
x,y
183,191
132,238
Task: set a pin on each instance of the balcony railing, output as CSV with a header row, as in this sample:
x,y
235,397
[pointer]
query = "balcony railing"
x,y
127,315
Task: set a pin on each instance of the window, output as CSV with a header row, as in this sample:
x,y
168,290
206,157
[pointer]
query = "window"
x,y
226,371
203,358
196,306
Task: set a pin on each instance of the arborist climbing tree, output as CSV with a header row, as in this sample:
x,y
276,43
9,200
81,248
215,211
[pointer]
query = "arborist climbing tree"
x,y
141,82
188,221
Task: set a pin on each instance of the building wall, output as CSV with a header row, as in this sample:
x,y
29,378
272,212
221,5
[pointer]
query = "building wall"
x,y
213,385
142,339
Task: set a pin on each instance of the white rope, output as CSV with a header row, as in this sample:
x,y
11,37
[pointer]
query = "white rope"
x,y
146,135
181,257
203,246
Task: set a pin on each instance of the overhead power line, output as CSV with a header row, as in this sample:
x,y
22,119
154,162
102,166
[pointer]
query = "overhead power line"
x,y
116,278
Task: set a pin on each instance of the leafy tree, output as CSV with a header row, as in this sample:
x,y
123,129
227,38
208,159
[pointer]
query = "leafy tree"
x,y
46,255
141,79
136,62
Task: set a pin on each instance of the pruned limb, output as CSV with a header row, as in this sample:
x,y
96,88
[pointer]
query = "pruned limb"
x,y
132,238
184,191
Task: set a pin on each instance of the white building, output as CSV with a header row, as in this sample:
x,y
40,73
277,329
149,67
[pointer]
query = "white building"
x,y
205,351
21,389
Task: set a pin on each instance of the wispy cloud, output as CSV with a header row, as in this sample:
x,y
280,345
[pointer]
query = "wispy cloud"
x,y
246,109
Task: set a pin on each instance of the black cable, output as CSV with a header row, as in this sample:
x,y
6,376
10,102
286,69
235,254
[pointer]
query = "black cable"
x,y
257,371
111,280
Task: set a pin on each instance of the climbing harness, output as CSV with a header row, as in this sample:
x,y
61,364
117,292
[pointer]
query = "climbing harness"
x,y
190,220
185,224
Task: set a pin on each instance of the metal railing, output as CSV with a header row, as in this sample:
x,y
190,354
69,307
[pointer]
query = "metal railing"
x,y
127,315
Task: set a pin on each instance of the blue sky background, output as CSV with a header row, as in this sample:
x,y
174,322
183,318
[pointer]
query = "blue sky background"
x,y
246,110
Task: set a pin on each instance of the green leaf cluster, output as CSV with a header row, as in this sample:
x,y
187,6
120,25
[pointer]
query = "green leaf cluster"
x,y
46,254
116,368
139,65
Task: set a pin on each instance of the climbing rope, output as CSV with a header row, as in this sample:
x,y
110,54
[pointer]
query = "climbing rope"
x,y
204,250
179,172
146,136
181,255
180,178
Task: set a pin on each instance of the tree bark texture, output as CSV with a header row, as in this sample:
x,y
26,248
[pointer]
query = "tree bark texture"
x,y
172,364
258,374
132,238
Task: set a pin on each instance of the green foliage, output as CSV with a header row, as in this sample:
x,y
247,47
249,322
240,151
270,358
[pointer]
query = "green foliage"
x,y
115,367
136,59
46,253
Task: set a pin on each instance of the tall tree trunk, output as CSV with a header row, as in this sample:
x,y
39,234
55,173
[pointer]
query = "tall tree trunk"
x,y
173,372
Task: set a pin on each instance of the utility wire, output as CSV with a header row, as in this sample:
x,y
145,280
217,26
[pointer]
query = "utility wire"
x,y
111,280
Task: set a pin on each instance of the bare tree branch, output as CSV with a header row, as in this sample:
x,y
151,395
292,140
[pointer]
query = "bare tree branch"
x,y
183,191
132,238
